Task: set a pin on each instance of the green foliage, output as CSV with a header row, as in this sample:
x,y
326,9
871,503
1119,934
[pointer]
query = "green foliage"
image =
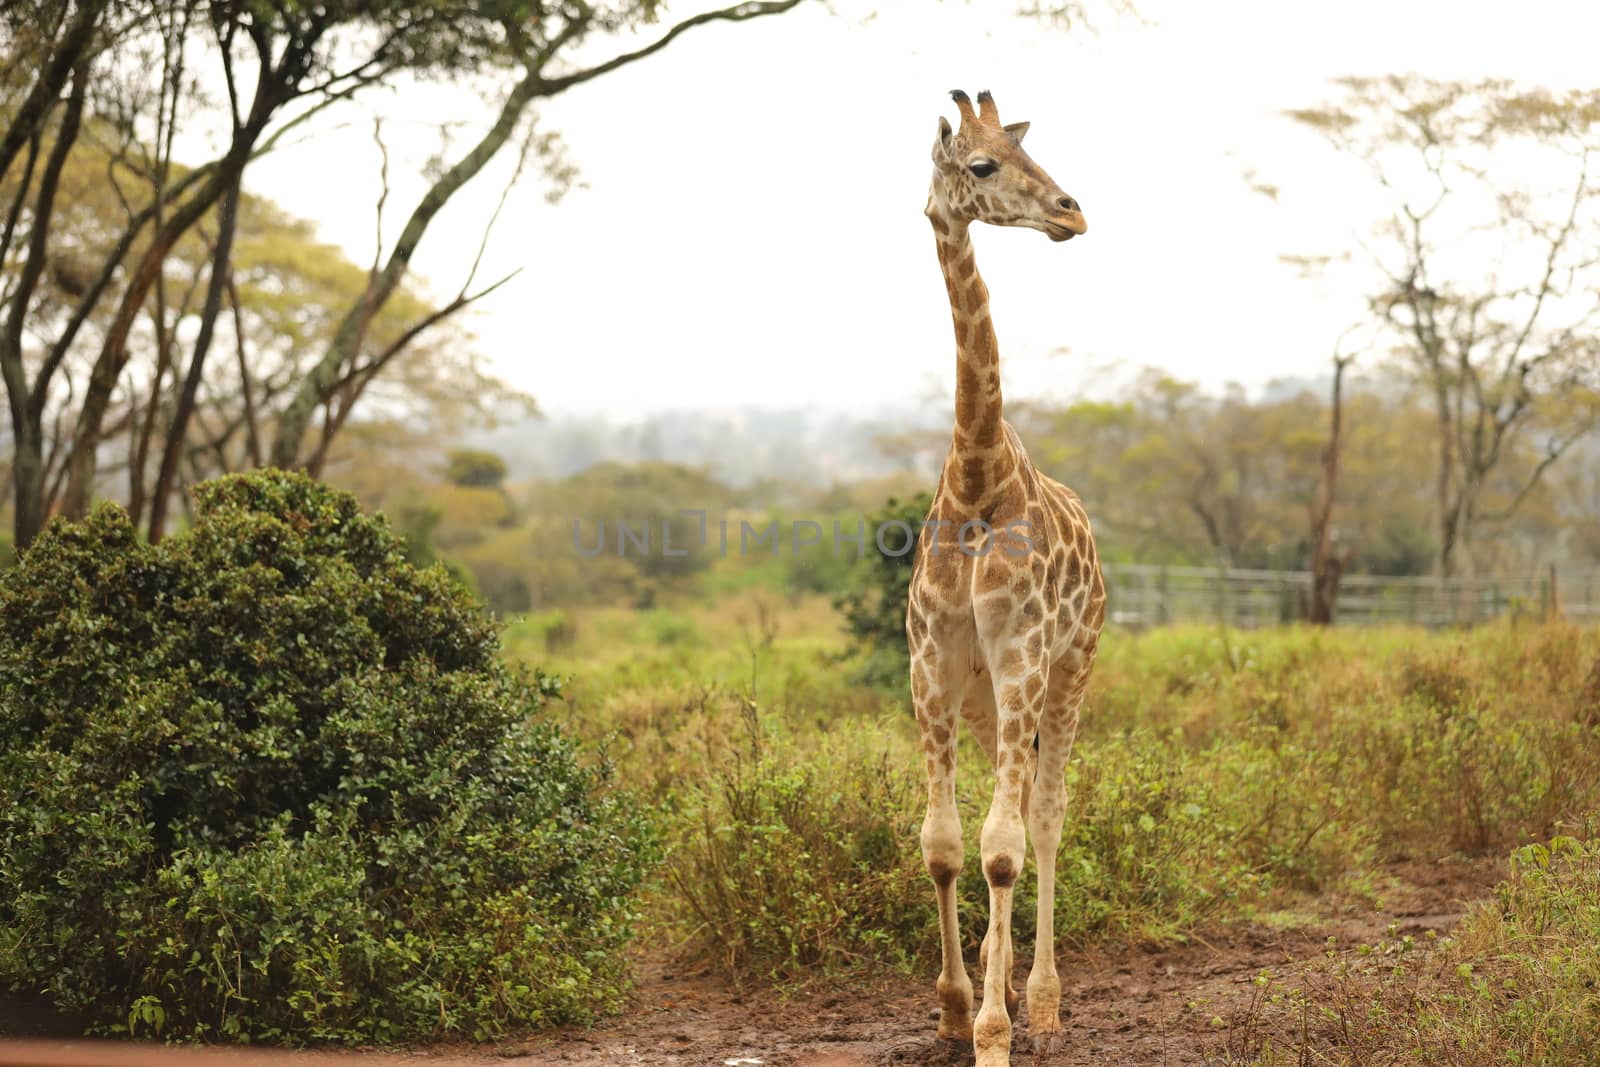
x,y
797,857
1162,838
474,468
1528,964
1464,742
266,781
874,605
1174,474
555,629
1217,775
791,864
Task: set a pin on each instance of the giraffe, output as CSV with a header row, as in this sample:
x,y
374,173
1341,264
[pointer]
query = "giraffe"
x,y
1004,613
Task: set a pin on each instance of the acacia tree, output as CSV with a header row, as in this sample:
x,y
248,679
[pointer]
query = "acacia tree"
x,y
545,74
130,82
1488,275
284,294
125,77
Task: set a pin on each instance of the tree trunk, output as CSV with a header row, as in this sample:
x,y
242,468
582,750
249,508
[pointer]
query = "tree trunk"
x,y
34,111
178,429
27,400
81,462
1327,566
27,471
343,349
295,421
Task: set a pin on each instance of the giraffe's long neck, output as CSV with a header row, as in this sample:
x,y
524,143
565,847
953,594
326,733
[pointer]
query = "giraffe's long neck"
x,y
978,459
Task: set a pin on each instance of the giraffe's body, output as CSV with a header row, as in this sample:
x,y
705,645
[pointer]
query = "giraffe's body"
x,y
1006,603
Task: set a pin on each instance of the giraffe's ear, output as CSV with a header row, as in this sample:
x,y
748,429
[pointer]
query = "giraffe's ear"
x,y
1017,130
941,146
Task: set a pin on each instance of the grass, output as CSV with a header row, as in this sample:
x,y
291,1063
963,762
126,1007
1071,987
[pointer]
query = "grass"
x,y
1217,775
1517,982
786,650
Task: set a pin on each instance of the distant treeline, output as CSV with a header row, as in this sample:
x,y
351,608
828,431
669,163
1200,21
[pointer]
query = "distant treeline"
x,y
1170,473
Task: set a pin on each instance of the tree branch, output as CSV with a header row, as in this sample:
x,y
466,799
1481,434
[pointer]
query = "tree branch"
x,y
736,13
35,109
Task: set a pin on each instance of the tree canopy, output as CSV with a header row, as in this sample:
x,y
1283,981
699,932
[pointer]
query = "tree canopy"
x,y
1484,274
121,83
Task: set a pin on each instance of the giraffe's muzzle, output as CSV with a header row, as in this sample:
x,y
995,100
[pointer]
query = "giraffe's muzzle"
x,y
1065,226
1067,222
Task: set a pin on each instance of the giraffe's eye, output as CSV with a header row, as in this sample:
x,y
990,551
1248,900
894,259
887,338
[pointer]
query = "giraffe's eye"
x,y
983,168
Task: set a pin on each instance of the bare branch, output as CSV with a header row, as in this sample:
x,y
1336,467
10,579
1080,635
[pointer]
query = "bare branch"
x,y
736,13
494,217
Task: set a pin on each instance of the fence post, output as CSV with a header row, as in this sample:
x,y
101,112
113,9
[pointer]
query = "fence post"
x,y
1161,593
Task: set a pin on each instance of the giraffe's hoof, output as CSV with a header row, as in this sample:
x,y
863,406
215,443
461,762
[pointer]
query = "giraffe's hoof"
x,y
951,1050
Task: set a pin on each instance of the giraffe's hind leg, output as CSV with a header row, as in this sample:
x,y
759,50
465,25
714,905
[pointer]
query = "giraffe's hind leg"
x,y
938,682
977,711
1057,727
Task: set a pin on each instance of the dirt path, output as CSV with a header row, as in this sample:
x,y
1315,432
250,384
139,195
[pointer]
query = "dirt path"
x,y
1129,1006
1124,1006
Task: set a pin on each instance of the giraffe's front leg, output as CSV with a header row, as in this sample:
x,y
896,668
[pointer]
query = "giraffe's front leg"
x,y
1003,843
1028,775
937,680
1015,651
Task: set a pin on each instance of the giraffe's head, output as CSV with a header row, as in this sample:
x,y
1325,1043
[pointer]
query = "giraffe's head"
x,y
981,173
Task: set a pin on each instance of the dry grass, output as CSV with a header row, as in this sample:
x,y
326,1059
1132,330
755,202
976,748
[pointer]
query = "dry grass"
x,y
1216,774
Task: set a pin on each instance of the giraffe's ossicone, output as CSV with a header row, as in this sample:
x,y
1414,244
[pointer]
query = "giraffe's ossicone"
x,y
1006,602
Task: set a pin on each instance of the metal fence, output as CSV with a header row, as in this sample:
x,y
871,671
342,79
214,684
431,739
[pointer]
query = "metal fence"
x,y
1142,595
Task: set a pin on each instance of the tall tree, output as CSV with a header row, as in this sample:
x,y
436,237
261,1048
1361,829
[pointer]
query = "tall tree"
x,y
124,77
283,295
1487,273
545,48
1328,560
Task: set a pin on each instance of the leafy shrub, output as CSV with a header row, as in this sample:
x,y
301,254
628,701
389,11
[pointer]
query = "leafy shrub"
x,y
1526,964
800,861
874,606
1216,774
266,780
1161,839
797,865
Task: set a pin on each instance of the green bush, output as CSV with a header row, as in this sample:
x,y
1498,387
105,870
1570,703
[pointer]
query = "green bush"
x,y
874,606
265,780
798,865
793,861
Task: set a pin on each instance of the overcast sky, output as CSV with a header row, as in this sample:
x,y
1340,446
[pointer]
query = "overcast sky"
x,y
750,228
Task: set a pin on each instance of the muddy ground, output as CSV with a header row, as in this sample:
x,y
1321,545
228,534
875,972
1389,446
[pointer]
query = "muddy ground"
x,y
1127,1005
1123,1005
